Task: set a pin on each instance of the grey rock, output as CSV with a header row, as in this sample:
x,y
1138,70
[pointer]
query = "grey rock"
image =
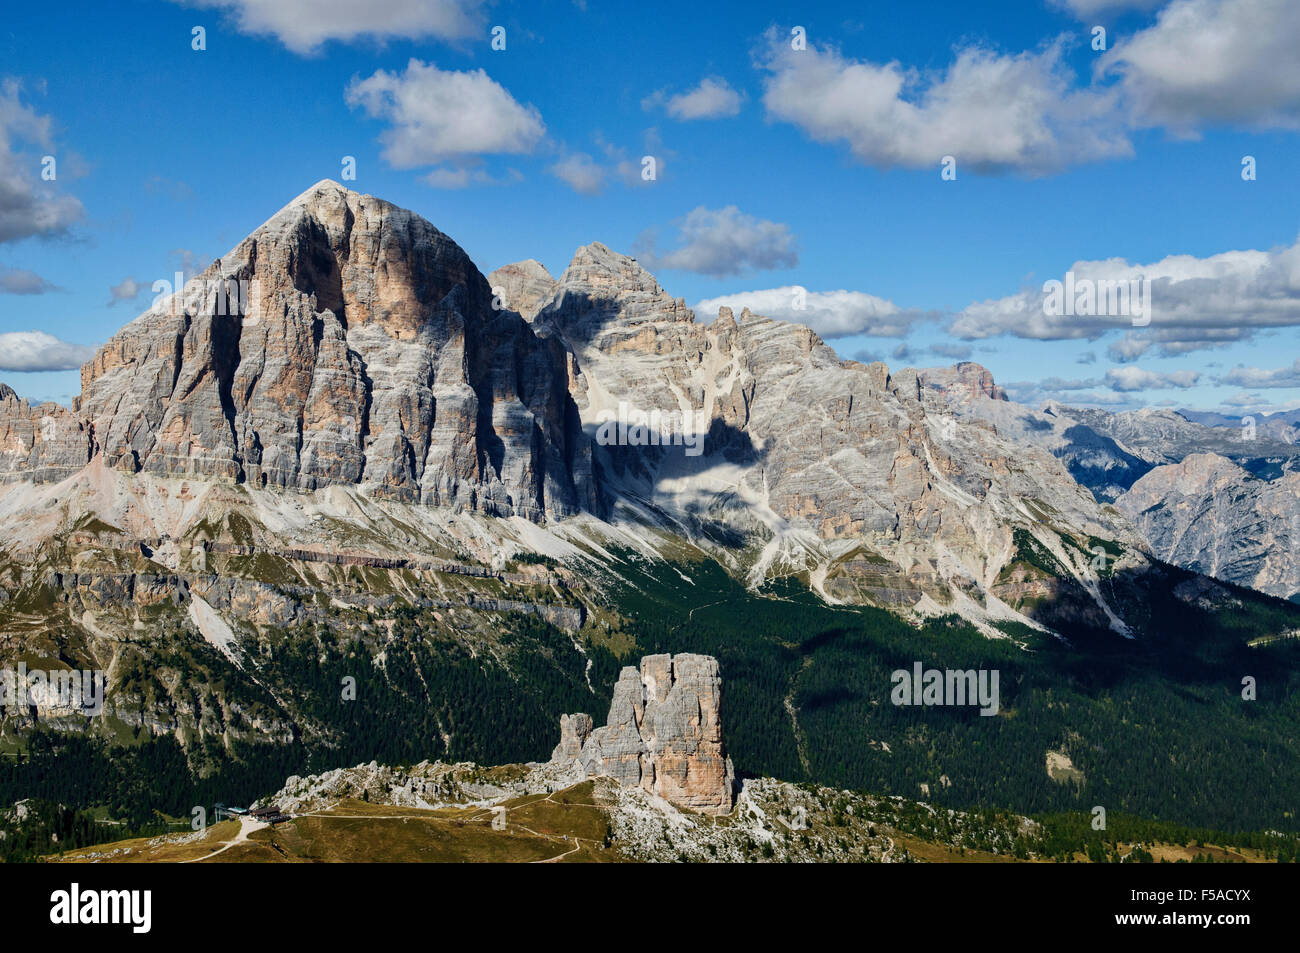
x,y
574,732
525,286
663,734
366,352
45,443
1211,516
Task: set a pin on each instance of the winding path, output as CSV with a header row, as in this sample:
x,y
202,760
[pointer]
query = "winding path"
x,y
246,826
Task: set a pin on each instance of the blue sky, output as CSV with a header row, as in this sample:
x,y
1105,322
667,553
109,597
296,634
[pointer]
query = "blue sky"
x,y
776,168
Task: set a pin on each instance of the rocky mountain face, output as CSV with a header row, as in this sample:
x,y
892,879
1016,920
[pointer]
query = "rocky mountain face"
x,y
1230,506
858,476
663,734
343,431
1208,514
349,346
1279,425
363,349
43,444
1108,451
347,342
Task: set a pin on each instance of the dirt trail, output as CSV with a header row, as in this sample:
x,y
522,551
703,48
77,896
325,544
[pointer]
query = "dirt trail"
x,y
246,826
577,846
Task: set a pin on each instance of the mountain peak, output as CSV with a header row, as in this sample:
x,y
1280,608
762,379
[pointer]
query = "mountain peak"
x,y
525,286
323,187
599,271
356,320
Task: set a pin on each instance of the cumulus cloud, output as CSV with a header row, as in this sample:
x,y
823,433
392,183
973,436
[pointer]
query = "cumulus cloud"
x,y
1128,348
1196,303
20,281
1258,377
1128,379
38,351
127,290
303,25
1075,393
1213,61
589,174
463,176
723,242
582,173
29,206
713,98
1117,387
831,314
438,115
991,112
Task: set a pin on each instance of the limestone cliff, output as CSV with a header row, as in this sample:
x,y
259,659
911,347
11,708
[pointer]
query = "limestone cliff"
x,y
1212,516
346,341
44,443
862,477
663,733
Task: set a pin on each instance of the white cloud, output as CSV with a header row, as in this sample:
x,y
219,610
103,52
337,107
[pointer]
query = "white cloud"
x,y
1257,377
1129,348
29,206
1119,387
127,290
992,112
1196,303
1213,61
1127,379
831,314
722,242
582,173
713,98
38,351
20,281
463,176
303,25
438,115
1072,393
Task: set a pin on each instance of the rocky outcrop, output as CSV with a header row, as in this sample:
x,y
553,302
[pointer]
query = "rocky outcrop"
x,y
346,341
963,381
574,732
663,733
1209,515
44,443
523,286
